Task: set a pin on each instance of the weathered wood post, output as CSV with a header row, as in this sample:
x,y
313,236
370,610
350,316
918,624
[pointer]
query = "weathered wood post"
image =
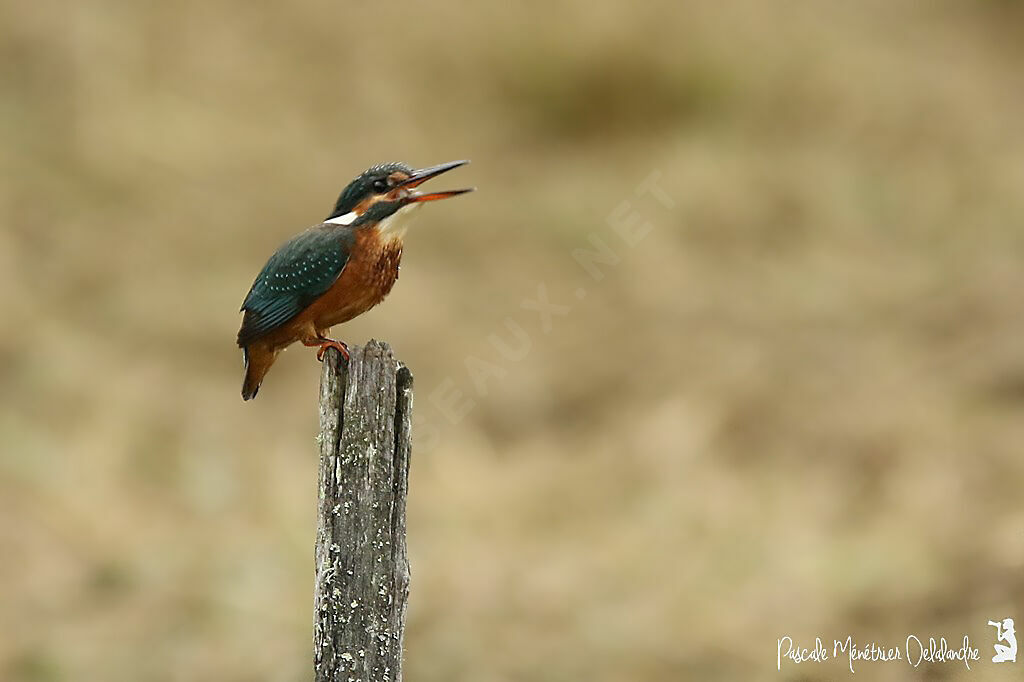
x,y
362,569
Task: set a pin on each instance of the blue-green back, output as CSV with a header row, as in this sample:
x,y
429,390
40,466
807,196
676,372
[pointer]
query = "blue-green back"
x,y
298,273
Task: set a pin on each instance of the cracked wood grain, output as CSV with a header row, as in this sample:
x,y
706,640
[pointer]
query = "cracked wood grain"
x,y
362,567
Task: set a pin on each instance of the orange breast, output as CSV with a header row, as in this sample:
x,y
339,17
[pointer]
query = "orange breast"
x,y
369,274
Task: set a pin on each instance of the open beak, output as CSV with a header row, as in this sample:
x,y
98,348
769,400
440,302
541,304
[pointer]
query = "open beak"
x,y
420,176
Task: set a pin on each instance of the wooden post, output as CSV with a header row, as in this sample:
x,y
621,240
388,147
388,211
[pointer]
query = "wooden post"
x,y
362,569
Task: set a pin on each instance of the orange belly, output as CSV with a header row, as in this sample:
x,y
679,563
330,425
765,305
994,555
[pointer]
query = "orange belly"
x,y
369,274
363,284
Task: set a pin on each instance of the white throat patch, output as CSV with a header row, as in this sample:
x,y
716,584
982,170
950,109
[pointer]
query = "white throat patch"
x,y
396,224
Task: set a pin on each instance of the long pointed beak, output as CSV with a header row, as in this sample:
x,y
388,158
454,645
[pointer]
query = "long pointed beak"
x,y
420,176
434,196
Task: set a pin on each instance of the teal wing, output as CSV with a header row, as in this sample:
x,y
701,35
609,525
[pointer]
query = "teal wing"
x,y
301,271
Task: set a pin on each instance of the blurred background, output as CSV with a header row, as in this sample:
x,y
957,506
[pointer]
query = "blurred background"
x,y
794,407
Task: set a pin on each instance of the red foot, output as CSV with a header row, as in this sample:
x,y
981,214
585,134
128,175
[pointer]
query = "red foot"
x,y
324,344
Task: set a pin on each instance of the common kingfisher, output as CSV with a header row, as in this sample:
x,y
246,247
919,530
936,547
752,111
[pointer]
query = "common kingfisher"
x,y
333,271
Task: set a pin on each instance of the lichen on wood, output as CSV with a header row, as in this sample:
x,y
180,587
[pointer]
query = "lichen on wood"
x,y
362,567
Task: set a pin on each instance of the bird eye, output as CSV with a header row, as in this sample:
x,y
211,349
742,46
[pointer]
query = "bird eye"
x,y
380,185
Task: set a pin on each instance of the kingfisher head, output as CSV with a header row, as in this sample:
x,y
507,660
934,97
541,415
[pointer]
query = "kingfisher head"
x,y
381,192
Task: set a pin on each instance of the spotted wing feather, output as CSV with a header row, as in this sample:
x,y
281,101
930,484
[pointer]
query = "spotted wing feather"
x,y
301,271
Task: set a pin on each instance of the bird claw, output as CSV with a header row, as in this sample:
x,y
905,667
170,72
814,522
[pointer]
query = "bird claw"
x,y
331,343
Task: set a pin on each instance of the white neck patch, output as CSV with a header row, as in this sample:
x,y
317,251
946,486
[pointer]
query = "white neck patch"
x,y
346,219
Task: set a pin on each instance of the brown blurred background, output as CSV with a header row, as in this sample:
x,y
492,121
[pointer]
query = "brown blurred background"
x,y
793,408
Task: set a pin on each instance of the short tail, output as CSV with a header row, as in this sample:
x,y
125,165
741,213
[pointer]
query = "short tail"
x,y
257,363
